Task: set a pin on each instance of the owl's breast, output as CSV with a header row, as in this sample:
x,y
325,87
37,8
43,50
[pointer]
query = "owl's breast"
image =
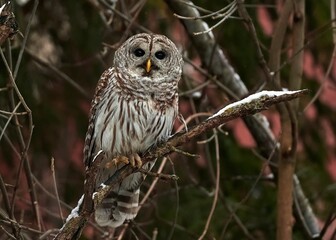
x,y
133,126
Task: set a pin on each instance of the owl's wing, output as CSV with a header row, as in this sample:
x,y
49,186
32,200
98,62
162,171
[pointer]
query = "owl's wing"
x,y
89,148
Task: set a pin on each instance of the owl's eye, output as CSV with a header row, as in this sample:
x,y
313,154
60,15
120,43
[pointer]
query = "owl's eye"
x,y
160,55
139,52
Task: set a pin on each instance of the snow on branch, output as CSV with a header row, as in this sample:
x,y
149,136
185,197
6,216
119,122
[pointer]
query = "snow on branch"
x,y
92,197
75,211
254,99
2,7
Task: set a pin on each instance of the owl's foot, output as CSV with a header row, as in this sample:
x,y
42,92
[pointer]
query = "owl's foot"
x,y
115,161
120,159
133,159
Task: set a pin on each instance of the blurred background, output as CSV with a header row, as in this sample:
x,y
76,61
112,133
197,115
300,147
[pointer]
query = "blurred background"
x,y
56,59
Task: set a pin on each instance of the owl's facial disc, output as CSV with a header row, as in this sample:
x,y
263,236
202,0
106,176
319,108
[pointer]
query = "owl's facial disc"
x,y
151,56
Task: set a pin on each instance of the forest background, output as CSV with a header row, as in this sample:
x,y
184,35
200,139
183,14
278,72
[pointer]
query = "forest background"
x,y
238,181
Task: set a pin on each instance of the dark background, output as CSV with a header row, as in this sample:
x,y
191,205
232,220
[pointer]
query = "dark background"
x,y
69,45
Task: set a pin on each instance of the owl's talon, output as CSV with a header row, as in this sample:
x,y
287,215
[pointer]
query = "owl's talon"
x,y
115,161
135,160
131,160
138,161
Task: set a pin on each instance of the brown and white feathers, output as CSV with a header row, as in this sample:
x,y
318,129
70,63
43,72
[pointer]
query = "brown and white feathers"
x,y
134,108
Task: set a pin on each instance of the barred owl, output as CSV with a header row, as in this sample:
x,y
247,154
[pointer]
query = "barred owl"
x,y
134,108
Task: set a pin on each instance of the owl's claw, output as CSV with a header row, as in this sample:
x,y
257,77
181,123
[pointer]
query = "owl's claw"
x,y
115,161
133,159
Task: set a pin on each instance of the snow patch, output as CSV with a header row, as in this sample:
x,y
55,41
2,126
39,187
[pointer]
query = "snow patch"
x,y
251,98
2,7
74,212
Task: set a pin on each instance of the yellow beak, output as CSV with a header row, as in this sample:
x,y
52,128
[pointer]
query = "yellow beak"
x,y
148,65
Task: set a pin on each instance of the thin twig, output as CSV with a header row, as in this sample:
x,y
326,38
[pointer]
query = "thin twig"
x,y
214,203
227,15
48,233
171,233
306,214
123,231
39,185
24,42
190,4
162,176
12,113
20,227
211,14
155,181
7,233
9,120
120,14
246,17
4,195
324,80
52,166
7,204
247,196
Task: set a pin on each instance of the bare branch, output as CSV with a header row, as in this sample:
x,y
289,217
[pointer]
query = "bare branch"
x,y
214,203
55,188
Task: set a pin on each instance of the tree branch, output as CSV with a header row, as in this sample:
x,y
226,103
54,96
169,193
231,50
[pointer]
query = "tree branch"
x,y
80,215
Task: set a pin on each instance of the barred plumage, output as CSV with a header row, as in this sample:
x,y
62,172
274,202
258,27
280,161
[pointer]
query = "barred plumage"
x,y
134,108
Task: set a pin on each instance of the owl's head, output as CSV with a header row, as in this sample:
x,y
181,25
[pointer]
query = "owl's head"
x,y
149,55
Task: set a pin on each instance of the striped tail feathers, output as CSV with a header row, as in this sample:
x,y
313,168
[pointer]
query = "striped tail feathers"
x,y
122,203
128,203
117,207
